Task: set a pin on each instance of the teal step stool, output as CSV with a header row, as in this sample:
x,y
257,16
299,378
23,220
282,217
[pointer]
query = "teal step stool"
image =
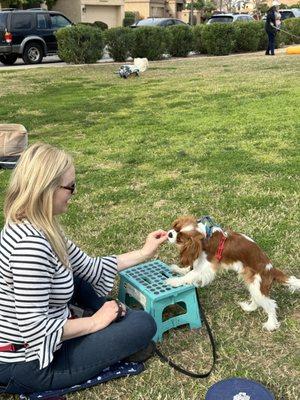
x,y
145,283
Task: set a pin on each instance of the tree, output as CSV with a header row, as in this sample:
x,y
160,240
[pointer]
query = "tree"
x,y
261,6
204,6
50,3
228,5
23,4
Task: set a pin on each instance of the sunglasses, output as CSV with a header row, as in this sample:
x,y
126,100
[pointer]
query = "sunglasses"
x,y
72,187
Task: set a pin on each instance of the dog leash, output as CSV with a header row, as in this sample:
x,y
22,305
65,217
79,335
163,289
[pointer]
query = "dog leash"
x,y
213,347
288,33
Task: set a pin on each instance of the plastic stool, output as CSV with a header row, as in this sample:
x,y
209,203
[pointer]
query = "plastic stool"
x,y
146,284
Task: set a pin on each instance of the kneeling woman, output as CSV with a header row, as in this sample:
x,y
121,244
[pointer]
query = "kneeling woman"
x,y
41,347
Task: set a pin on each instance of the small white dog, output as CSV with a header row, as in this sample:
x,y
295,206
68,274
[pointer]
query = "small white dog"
x,y
205,248
141,63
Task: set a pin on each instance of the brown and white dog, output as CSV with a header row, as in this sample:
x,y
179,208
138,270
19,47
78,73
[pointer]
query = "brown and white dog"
x,y
201,256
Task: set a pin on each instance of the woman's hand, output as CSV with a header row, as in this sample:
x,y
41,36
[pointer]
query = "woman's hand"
x,y
101,319
153,241
107,314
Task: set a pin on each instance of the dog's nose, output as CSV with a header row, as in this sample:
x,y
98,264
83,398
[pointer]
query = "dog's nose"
x,y
170,234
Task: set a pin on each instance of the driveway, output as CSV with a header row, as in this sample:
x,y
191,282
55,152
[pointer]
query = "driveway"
x,y
20,63
47,62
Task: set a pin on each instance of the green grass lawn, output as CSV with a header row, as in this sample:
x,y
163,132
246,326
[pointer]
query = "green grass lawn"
x,y
207,135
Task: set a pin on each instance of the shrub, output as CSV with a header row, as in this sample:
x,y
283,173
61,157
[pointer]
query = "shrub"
x,y
181,40
86,24
118,42
150,42
97,24
198,42
291,25
80,44
129,18
247,36
100,24
219,39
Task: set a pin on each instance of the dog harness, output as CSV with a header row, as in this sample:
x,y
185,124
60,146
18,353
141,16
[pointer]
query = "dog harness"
x,y
209,224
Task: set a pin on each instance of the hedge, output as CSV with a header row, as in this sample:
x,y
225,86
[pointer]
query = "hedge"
x,y
198,41
219,39
80,44
97,24
119,42
149,42
129,18
291,25
180,41
247,36
84,43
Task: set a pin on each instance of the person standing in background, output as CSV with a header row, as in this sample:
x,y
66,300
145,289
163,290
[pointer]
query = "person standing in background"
x,y
271,30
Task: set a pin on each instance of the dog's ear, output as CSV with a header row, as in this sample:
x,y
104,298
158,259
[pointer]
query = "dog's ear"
x,y
190,248
180,222
177,224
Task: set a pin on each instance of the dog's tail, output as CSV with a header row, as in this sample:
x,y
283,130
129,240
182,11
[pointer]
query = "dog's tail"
x,y
292,282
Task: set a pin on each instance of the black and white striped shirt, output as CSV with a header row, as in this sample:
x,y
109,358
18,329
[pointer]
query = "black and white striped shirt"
x,y
35,288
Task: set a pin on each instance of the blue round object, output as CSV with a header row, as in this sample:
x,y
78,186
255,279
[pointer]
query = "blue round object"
x,y
238,389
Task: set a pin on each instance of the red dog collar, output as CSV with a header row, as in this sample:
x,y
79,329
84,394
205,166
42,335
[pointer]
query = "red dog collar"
x,y
220,248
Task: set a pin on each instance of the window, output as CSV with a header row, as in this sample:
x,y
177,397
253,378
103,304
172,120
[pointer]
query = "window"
x,y
169,22
58,21
222,20
3,20
286,14
178,22
147,22
22,21
42,21
243,18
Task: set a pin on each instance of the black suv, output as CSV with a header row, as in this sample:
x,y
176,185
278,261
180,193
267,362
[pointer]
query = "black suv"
x,y
29,34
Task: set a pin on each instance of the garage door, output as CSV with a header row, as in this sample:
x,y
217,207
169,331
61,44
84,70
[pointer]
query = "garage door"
x,y
107,14
157,12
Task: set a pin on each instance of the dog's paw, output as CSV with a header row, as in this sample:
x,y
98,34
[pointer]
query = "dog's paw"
x,y
175,282
271,325
178,270
247,306
173,268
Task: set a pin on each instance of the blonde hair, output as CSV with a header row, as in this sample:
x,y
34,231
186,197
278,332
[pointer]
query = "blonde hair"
x,y
30,193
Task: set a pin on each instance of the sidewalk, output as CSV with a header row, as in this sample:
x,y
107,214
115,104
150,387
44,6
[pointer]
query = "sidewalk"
x,y
54,61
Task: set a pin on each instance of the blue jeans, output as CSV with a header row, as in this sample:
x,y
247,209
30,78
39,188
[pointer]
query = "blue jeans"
x,y
81,358
271,42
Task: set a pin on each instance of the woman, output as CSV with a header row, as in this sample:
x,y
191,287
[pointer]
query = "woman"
x,y
271,30
41,347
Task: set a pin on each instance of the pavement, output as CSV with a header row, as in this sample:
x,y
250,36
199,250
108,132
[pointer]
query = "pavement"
x,y
54,61
47,62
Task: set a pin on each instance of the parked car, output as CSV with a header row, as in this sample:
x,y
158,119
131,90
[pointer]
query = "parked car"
x,y
287,13
228,18
290,13
29,34
164,22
